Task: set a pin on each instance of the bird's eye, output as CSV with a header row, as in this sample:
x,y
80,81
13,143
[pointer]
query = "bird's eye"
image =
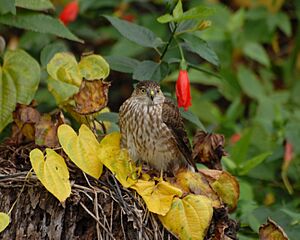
x,y
157,91
143,90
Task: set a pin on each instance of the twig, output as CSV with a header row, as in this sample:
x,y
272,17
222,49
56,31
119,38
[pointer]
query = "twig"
x,y
95,218
99,236
123,230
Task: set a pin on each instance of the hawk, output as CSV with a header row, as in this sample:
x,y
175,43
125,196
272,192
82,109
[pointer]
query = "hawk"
x,y
152,130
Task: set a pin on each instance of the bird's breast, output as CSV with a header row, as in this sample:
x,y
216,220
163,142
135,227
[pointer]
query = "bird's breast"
x,y
148,137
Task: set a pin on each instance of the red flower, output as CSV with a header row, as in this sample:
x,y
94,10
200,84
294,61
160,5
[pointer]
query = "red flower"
x,y
183,91
69,13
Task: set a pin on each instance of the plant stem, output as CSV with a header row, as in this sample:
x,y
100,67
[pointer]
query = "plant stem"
x,y
168,43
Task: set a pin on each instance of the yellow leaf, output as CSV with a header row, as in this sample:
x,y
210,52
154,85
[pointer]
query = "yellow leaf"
x,y
225,185
4,221
159,197
189,218
93,67
117,160
196,183
81,149
64,67
52,172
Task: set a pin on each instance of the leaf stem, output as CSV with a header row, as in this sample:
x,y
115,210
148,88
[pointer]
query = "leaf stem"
x,y
169,42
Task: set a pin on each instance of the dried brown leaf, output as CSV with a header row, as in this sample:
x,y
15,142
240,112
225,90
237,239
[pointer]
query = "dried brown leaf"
x,y
208,148
25,117
271,231
46,129
92,97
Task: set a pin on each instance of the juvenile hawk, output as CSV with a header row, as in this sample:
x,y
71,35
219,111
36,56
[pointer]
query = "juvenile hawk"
x,y
152,129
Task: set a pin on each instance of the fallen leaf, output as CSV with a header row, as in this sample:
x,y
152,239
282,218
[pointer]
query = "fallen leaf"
x,y
225,185
4,221
189,218
25,117
196,183
52,171
81,149
117,160
158,197
271,231
92,97
46,129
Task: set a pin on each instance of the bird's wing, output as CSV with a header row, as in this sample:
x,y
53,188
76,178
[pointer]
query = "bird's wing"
x,y
172,118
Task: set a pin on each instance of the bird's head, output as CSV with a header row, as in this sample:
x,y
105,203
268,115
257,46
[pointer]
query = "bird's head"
x,y
148,92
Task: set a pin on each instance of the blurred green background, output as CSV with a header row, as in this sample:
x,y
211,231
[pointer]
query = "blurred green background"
x,y
252,97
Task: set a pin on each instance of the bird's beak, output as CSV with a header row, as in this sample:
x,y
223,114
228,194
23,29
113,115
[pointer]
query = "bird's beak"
x,y
151,94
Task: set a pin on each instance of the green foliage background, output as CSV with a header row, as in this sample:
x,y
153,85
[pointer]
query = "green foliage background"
x,y
244,71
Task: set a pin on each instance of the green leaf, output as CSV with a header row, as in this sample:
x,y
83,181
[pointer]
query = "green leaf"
x,y
284,23
25,71
39,22
108,116
178,11
196,13
190,116
165,18
50,50
4,221
60,90
8,98
145,70
200,47
180,16
249,83
20,76
256,52
7,6
240,149
138,34
93,67
161,72
122,63
35,4
245,167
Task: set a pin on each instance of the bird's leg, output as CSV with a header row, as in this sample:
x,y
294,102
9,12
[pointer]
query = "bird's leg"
x,y
161,178
139,170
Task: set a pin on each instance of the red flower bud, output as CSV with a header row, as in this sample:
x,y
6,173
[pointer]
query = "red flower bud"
x,y
288,152
235,138
183,91
129,17
69,13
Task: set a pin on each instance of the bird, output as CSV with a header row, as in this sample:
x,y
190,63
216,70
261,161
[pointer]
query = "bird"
x,y
152,130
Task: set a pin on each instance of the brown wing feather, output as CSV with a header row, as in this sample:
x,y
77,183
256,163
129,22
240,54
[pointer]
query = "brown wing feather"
x,y
172,118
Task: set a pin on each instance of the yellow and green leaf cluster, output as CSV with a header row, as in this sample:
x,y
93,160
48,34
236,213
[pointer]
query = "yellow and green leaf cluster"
x,y
184,204
66,75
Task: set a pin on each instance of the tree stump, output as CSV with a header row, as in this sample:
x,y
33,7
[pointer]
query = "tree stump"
x,y
96,209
